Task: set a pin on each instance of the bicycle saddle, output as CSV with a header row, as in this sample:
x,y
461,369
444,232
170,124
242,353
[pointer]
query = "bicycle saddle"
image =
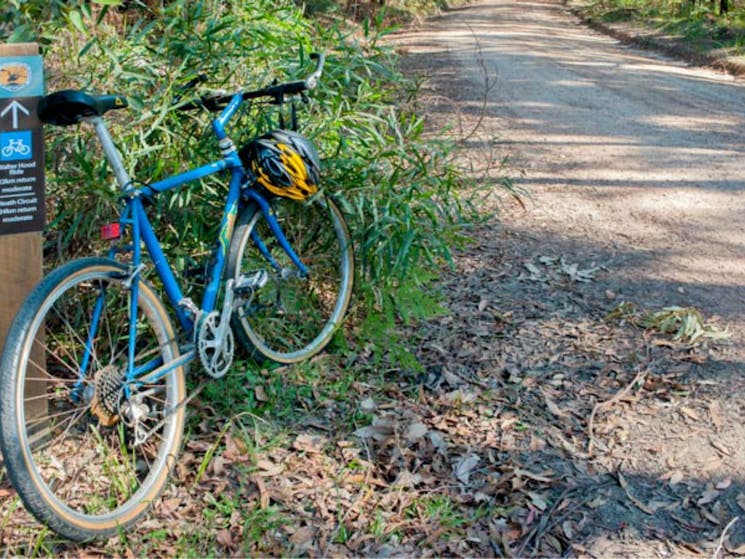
x,y
70,106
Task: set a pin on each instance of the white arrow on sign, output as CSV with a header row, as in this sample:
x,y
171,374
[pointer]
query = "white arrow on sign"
x,y
15,106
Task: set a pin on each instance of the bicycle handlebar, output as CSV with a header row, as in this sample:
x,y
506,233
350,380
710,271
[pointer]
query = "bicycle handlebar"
x,y
290,88
275,91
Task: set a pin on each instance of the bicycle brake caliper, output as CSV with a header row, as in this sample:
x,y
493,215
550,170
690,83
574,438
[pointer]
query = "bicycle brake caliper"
x,y
132,275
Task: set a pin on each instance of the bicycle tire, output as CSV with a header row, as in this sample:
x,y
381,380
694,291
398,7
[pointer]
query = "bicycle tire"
x,y
68,449
290,318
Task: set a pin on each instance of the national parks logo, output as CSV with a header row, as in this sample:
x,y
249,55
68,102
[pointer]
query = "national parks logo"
x,y
14,75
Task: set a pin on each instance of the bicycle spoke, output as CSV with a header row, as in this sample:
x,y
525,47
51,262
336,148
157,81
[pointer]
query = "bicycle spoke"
x,y
293,317
83,438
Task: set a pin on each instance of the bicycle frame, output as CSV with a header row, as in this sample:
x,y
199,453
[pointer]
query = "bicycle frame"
x,y
135,218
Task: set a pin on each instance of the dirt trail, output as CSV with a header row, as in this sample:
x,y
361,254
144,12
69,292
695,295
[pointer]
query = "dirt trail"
x,y
619,147
635,167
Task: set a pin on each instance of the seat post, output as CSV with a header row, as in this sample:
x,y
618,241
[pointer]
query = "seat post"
x,y
110,150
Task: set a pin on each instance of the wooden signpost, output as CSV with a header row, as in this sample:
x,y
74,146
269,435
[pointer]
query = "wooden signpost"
x,y
22,210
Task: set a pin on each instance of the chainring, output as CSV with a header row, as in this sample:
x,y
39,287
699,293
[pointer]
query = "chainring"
x,y
216,354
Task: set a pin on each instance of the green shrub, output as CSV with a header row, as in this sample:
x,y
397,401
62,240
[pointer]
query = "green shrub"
x,y
398,189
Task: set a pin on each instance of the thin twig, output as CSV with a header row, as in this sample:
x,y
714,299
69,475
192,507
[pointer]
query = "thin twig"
x,y
608,403
549,519
474,382
724,534
487,87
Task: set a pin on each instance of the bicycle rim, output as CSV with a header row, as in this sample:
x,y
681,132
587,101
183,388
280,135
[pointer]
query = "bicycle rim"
x,y
291,318
69,446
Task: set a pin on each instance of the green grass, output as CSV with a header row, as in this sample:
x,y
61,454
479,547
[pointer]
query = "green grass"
x,y
700,24
442,512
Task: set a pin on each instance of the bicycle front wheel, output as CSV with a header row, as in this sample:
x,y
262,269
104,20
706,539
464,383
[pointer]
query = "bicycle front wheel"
x,y
282,315
86,453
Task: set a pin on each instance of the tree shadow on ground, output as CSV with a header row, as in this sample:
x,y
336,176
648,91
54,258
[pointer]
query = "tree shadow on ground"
x,y
527,431
639,435
537,426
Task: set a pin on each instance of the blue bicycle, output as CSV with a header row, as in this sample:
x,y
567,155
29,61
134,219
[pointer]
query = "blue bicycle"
x,y
92,380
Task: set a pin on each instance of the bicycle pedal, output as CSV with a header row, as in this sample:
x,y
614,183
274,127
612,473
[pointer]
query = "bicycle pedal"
x,y
251,282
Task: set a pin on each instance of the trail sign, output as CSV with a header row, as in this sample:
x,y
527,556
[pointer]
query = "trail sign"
x,y
21,145
21,188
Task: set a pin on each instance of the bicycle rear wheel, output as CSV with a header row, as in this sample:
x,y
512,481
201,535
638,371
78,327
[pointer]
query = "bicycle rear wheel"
x,y
86,458
287,318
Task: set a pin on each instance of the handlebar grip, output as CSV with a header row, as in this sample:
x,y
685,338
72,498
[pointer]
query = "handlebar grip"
x,y
291,88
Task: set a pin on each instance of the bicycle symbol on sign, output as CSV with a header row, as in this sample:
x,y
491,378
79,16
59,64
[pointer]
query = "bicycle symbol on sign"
x,y
15,145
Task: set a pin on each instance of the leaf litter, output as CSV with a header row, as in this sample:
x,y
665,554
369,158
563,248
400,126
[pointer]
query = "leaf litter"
x,y
528,433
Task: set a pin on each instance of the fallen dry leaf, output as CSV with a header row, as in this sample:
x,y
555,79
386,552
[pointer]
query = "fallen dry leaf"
x,y
721,447
553,407
741,500
715,412
625,485
169,506
377,432
309,443
406,479
724,484
260,394
597,502
690,413
438,442
536,477
415,432
568,529
225,538
269,468
538,500
368,405
263,493
464,466
709,516
708,496
217,465
673,477
303,536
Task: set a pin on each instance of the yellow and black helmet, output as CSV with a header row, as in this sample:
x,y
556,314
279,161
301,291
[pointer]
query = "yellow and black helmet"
x,y
285,163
